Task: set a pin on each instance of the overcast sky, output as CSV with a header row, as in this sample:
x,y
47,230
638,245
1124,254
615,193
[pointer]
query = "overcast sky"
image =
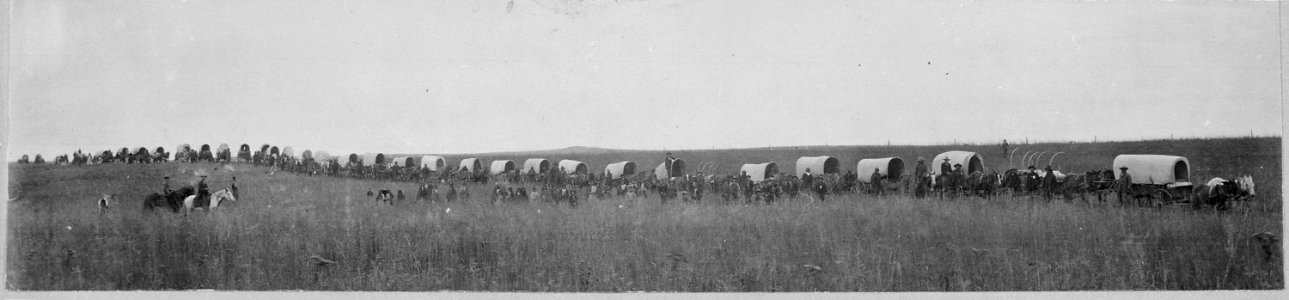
x,y
476,76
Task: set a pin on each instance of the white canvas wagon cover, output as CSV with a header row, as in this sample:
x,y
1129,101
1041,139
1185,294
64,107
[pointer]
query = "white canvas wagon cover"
x,y
221,148
539,165
432,162
470,164
677,168
761,171
501,166
573,166
818,165
369,158
892,168
971,162
1153,169
619,169
288,151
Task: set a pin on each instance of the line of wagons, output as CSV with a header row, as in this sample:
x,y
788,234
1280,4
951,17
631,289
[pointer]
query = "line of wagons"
x,y
1156,179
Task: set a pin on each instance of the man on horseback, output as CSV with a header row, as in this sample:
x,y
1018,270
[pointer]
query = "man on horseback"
x,y
203,193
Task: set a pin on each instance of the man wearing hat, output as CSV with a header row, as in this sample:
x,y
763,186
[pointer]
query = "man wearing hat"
x,y
165,185
203,191
807,179
876,180
919,177
1125,181
1031,179
945,168
957,179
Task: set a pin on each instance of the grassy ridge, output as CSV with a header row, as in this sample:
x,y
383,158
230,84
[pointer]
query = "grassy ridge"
x,y
59,241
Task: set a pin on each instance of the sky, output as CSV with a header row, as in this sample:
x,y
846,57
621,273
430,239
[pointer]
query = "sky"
x,y
486,76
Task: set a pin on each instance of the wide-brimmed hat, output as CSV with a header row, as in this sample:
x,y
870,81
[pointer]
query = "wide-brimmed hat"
x,y
920,158
1123,168
946,159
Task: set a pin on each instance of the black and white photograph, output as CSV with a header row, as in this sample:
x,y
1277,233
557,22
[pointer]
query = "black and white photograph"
x,y
515,148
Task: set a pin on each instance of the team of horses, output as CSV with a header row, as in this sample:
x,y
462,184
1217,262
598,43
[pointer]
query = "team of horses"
x,y
187,199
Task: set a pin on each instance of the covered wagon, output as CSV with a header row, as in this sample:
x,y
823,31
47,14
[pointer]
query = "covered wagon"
x,y
160,154
501,167
205,154
373,159
971,162
539,165
288,151
432,162
891,168
244,153
760,172
322,155
470,165
818,165
619,169
670,167
573,167
141,156
1164,179
223,153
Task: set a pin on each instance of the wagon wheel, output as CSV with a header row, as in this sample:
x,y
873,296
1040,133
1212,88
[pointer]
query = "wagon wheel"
x,y
1161,197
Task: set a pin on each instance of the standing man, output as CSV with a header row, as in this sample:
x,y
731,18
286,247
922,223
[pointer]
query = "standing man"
x,y
945,168
1049,183
957,180
807,179
1004,148
876,179
745,182
699,183
919,178
165,186
1124,184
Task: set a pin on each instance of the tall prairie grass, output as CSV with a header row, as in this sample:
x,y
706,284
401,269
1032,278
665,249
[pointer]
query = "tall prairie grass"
x,y
58,240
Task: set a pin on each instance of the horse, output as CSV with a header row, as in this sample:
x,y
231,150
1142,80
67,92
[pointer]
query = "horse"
x,y
981,184
386,196
174,200
1218,192
213,201
104,203
947,183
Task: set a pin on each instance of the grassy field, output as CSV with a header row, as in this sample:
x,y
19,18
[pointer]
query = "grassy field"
x,y
58,240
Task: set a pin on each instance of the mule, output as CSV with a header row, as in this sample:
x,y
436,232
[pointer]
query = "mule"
x,y
1218,192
